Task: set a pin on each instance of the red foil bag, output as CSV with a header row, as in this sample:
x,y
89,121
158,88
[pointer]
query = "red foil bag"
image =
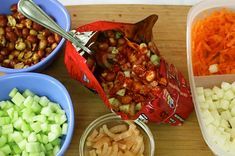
x,y
173,103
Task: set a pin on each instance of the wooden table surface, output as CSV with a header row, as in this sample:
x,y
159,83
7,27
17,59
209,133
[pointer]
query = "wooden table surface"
x,y
169,35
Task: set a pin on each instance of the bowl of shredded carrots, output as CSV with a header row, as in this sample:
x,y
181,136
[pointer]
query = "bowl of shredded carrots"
x,y
211,63
110,135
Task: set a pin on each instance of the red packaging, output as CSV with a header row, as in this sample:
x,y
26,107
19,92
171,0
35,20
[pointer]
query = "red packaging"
x,y
173,103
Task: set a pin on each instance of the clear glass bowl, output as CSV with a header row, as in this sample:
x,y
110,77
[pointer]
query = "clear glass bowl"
x,y
112,120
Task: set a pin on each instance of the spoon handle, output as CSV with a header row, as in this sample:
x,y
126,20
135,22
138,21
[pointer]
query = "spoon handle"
x,y
30,10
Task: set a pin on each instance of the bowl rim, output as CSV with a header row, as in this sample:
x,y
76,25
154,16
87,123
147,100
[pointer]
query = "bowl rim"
x,y
70,131
53,53
109,116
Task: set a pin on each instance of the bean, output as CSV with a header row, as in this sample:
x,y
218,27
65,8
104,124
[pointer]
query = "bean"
x,y
53,46
2,41
25,32
28,55
20,46
51,39
10,46
32,39
4,52
3,21
37,27
121,41
1,58
103,46
112,42
33,32
41,53
150,76
16,53
110,33
46,32
42,44
28,23
20,56
57,38
11,36
110,76
13,8
126,99
19,32
2,31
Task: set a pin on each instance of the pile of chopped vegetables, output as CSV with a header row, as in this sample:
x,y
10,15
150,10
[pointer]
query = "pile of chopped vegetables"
x,y
30,125
122,139
213,44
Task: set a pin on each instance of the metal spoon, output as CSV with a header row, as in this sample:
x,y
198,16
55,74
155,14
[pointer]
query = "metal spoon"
x,y
32,11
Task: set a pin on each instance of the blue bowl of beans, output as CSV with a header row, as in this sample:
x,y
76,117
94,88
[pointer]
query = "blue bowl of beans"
x,y
25,45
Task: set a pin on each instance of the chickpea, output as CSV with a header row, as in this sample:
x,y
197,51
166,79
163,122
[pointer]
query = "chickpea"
x,y
33,32
11,21
32,39
103,46
42,44
2,31
121,41
112,42
150,76
10,46
40,36
19,65
20,56
6,63
20,46
53,46
57,38
28,23
11,36
37,27
35,57
2,41
48,50
3,21
16,53
10,57
28,44
110,33
46,32
25,32
28,55
51,39
19,26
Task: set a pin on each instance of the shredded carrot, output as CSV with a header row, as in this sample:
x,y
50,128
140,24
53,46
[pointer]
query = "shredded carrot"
x,y
213,42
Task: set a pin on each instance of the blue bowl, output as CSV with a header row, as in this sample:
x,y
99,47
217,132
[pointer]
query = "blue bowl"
x,y
42,85
61,16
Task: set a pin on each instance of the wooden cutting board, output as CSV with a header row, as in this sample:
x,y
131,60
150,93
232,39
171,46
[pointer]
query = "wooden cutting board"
x,y
169,35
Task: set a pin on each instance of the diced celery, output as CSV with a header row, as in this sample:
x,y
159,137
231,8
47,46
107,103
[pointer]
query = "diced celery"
x,y
3,140
64,128
49,146
22,144
18,123
60,119
6,129
3,104
32,137
52,136
28,101
44,139
33,147
6,149
28,115
39,137
41,118
25,126
10,138
56,142
55,128
36,107
46,111
44,101
36,98
17,136
16,149
36,127
2,113
26,134
24,153
45,127
10,112
18,99
5,120
27,93
43,148
2,154
56,149
15,116
51,117
13,92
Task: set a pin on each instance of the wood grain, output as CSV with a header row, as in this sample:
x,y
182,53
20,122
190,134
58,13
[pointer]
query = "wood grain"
x,y
169,35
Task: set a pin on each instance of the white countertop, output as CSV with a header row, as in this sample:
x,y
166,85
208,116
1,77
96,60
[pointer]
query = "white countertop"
x,y
164,2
